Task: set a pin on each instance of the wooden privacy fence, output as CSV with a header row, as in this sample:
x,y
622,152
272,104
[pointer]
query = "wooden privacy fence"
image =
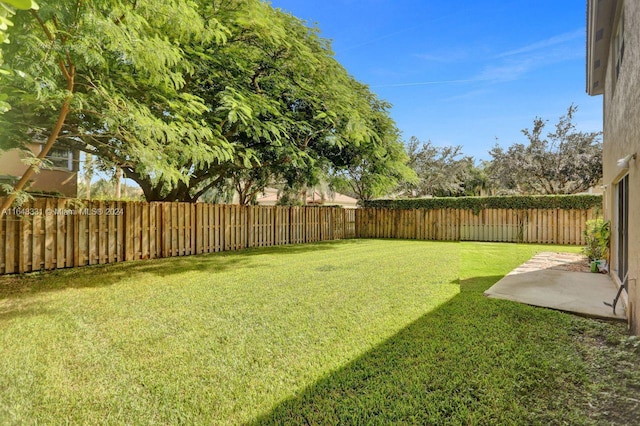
x,y
553,226
60,233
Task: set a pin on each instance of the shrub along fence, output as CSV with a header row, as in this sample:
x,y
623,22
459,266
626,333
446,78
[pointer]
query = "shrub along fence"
x,y
48,234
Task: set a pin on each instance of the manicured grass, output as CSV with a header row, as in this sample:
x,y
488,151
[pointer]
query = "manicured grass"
x,y
364,331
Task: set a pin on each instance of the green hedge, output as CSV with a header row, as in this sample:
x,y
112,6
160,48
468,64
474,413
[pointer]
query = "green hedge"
x,y
564,202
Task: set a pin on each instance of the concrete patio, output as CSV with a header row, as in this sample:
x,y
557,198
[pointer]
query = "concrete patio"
x,y
560,281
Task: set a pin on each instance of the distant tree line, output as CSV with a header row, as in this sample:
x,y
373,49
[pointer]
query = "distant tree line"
x,y
562,161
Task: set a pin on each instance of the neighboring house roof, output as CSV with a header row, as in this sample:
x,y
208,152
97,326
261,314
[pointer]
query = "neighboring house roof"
x,y
271,197
268,200
343,199
600,17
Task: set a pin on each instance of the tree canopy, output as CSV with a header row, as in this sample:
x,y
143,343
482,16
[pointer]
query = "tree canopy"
x,y
7,10
441,171
564,162
375,167
185,96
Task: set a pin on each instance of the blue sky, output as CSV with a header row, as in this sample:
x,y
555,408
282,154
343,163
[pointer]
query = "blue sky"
x,y
463,72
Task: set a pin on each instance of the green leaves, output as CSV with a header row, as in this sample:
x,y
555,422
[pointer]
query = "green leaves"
x,y
22,4
565,162
234,107
597,235
7,11
564,202
186,94
130,106
5,23
441,171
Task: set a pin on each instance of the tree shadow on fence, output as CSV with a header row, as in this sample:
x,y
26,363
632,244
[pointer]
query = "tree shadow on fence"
x,y
473,360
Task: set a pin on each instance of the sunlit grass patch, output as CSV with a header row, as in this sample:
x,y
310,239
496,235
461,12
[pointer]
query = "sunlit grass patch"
x,y
218,338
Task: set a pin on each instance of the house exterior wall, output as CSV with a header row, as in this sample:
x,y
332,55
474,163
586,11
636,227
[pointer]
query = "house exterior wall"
x,y
622,137
57,181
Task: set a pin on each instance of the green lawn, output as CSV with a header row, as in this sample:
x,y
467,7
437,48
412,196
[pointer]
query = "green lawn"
x,y
359,331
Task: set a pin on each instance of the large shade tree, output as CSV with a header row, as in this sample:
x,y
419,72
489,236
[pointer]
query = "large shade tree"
x,y
183,96
280,98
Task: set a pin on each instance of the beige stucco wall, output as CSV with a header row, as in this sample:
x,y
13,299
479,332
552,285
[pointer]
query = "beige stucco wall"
x,y
621,138
53,181
11,163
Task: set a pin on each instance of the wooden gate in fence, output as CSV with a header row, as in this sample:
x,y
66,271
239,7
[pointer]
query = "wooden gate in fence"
x,y
59,233
554,226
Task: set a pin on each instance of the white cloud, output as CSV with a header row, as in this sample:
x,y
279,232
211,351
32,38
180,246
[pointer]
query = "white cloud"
x,y
516,63
507,66
545,44
505,72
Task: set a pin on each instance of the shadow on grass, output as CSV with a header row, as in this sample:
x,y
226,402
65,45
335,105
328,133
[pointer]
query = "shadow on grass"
x,y
14,286
473,360
26,313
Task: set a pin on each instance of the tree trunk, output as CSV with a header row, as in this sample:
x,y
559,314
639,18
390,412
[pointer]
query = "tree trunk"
x,y
118,178
31,170
88,175
87,183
